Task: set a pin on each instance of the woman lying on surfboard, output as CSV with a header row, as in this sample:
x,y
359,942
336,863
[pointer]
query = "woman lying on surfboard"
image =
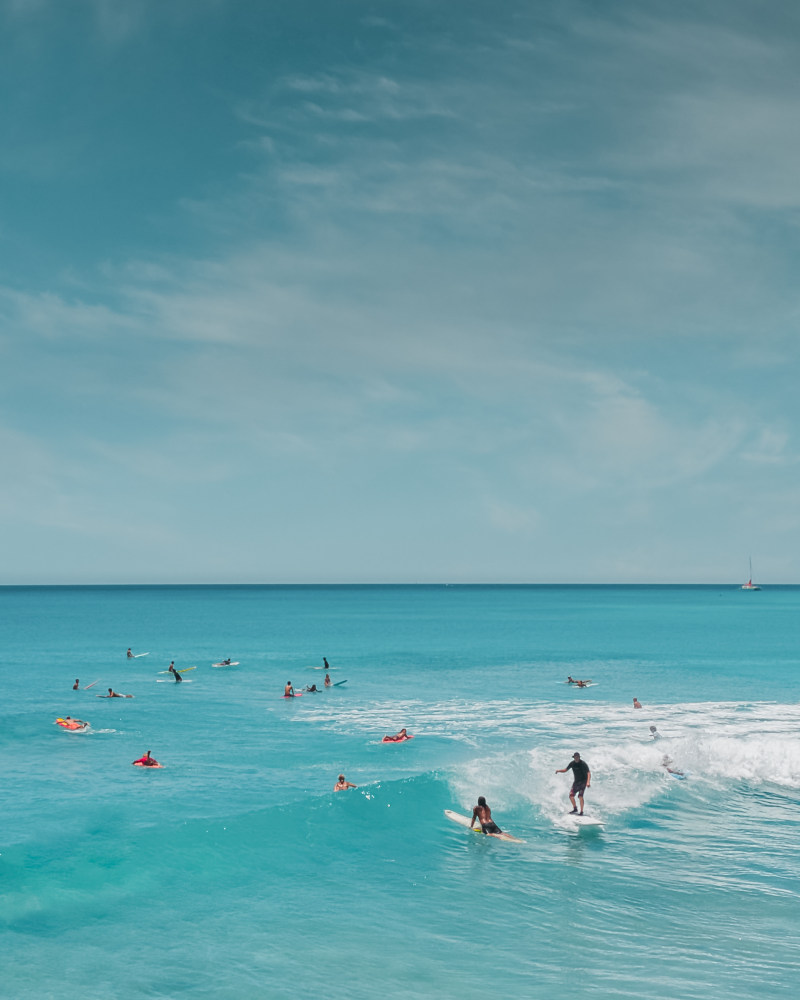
x,y
484,814
400,737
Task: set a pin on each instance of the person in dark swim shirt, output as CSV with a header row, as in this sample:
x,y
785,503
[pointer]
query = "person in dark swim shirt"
x,y
582,779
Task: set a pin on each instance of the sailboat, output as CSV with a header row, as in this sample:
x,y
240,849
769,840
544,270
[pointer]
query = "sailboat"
x,y
750,585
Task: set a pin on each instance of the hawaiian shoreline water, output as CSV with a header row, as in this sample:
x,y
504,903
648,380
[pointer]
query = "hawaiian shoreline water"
x,y
236,872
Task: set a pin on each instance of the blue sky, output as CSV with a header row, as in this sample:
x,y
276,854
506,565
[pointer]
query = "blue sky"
x,y
399,291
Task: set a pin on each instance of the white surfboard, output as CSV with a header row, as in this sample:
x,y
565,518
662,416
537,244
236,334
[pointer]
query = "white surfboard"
x,y
465,821
584,822
137,655
233,663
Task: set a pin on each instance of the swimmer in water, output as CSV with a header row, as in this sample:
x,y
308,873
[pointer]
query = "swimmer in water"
x,y
483,814
313,689
341,785
637,703
655,733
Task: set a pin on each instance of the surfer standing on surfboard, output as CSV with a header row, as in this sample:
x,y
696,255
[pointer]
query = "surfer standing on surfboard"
x,y
583,779
484,814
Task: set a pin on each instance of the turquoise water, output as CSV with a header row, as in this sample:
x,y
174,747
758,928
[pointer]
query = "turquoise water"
x,y
235,872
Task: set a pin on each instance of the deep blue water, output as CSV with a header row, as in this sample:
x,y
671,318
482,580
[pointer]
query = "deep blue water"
x,y
235,872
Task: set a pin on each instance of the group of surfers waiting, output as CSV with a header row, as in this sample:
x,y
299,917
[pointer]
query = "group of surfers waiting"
x,y
289,691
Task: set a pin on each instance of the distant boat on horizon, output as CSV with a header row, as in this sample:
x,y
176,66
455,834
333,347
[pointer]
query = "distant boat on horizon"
x,y
750,585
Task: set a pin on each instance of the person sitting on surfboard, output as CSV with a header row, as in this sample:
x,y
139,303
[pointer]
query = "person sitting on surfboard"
x,y
129,654
76,685
583,779
147,761
288,691
484,815
328,680
171,669
341,785
325,663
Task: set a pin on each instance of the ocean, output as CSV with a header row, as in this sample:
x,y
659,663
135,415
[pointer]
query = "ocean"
x,y
235,872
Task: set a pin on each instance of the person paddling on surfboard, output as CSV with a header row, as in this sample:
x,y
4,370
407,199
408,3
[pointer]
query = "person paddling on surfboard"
x,y
666,763
147,761
75,722
113,694
483,814
582,779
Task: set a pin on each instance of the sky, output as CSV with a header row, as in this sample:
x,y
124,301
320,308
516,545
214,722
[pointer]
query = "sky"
x,y
408,291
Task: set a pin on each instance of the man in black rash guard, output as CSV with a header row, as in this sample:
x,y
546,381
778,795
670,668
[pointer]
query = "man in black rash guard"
x,y
582,779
